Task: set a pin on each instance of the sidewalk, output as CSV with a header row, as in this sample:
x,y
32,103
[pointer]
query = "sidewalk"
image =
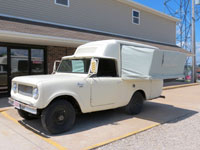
x,y
4,105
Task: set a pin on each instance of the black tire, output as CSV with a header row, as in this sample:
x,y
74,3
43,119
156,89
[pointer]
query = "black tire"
x,y
58,117
26,115
135,105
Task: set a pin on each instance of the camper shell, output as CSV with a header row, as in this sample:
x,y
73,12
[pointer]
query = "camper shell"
x,y
136,60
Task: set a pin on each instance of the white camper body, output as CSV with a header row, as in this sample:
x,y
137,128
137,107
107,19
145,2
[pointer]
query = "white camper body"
x,y
137,60
100,75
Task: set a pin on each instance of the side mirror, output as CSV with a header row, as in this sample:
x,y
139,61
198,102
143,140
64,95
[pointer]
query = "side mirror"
x,y
94,66
55,65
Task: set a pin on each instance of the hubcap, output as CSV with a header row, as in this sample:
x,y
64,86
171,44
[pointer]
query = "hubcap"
x,y
61,118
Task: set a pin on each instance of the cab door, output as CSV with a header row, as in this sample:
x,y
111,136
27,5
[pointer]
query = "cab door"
x,y
106,85
105,91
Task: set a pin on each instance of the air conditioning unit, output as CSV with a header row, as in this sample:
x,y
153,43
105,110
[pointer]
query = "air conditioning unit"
x,y
197,2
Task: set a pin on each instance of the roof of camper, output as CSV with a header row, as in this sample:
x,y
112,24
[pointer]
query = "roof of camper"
x,y
100,49
112,41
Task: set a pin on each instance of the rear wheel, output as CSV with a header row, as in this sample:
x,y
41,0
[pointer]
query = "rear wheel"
x,y
58,117
27,115
136,104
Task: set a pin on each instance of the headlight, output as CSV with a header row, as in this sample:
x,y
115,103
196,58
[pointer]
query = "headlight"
x,y
14,87
35,93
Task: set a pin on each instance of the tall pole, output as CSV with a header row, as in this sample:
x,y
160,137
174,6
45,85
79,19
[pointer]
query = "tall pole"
x,y
193,44
181,24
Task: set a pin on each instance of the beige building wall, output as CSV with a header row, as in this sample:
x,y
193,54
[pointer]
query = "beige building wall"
x,y
102,15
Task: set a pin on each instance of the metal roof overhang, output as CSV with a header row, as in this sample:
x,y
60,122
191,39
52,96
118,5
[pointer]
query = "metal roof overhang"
x,y
36,39
46,40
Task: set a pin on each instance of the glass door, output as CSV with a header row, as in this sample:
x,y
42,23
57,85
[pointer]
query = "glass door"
x,y
3,70
19,62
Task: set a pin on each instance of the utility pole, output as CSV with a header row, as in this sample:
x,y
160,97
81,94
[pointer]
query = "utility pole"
x,y
185,11
193,44
194,77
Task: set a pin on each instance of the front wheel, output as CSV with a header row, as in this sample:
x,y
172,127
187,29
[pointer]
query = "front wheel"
x,y
58,117
136,104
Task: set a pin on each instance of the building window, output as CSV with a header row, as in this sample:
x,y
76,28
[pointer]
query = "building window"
x,y
135,17
62,2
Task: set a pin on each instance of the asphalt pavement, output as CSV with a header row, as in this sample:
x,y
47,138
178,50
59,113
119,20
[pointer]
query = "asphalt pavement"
x,y
180,134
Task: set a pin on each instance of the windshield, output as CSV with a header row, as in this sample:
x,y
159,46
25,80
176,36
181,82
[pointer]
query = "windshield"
x,y
74,66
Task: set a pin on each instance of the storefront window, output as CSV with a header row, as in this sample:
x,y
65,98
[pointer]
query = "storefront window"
x,y
18,60
3,69
37,61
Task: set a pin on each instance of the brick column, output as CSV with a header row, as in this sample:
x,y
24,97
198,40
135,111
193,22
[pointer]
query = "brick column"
x,y
56,53
70,51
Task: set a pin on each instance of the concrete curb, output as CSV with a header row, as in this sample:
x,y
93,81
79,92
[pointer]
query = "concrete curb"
x,y
5,109
180,86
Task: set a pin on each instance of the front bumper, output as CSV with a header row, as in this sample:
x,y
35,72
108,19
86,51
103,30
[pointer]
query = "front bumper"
x,y
22,106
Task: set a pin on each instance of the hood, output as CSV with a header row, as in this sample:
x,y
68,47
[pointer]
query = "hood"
x,y
36,79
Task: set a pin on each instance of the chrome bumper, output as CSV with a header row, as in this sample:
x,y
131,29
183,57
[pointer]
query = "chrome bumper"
x,y
22,106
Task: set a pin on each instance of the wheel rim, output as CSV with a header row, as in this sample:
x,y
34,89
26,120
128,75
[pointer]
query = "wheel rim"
x,y
60,117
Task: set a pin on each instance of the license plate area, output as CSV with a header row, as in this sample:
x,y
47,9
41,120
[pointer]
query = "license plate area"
x,y
16,104
25,107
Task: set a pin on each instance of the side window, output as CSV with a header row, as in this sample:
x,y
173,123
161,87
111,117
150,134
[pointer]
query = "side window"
x,y
135,17
107,68
62,2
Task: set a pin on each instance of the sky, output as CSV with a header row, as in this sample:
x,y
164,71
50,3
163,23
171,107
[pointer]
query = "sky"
x,y
158,5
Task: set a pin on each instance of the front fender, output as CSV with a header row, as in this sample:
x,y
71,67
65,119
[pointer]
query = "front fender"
x,y
53,89
47,100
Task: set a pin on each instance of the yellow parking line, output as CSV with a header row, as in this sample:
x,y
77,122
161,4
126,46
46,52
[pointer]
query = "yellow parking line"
x,y
58,146
121,137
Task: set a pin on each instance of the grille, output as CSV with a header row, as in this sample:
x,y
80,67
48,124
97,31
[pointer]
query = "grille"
x,y
25,90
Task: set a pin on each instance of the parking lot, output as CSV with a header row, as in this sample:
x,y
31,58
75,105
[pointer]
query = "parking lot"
x,y
97,129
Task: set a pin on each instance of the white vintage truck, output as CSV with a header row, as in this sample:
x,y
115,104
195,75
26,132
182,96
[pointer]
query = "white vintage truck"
x,y
100,75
